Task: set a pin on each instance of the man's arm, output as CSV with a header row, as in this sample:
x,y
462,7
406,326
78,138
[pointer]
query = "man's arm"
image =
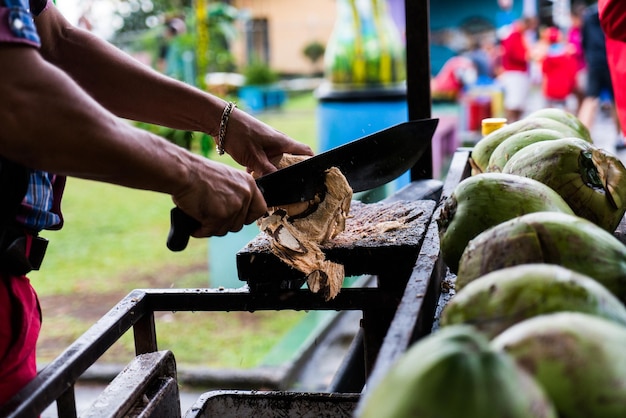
x,y
48,122
135,91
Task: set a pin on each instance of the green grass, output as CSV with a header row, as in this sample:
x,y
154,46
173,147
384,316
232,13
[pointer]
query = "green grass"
x,y
113,242
110,232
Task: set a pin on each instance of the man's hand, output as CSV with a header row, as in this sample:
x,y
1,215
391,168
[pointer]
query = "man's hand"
x,y
253,144
221,198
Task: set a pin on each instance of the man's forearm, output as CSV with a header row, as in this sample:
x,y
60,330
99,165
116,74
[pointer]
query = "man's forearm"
x,y
49,123
122,84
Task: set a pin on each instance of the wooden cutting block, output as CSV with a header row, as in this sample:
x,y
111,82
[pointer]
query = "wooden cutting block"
x,y
380,238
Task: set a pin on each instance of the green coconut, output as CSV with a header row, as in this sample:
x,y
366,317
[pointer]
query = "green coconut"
x,y
547,237
502,298
487,199
481,153
455,373
577,358
516,142
565,118
591,180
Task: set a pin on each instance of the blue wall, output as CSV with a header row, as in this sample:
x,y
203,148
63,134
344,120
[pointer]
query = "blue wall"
x,y
447,13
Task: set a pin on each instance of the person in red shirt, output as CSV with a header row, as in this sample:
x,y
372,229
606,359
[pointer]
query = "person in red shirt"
x,y
613,22
515,76
451,80
559,68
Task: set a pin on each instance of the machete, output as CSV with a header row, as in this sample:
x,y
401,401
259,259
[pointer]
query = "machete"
x,y
368,162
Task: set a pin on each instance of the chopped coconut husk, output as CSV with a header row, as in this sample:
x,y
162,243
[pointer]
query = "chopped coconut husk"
x,y
297,230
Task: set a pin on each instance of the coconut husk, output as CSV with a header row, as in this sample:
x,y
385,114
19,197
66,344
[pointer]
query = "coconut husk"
x,y
296,231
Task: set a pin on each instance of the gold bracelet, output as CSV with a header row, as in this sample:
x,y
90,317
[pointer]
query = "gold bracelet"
x,y
221,136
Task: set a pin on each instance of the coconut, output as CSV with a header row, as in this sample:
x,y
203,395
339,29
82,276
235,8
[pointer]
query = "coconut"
x,y
455,373
591,180
483,149
516,142
487,199
505,297
297,231
566,118
548,237
578,359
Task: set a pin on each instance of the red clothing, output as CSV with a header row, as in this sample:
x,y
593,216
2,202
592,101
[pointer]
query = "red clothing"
x,y
559,70
574,38
613,18
20,323
450,80
19,307
613,21
514,50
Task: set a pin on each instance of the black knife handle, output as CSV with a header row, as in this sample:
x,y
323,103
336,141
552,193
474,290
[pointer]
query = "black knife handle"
x,y
181,228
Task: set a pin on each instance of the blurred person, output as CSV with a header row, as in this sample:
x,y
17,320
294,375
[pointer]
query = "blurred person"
x,y
169,51
598,74
558,69
456,75
478,53
66,96
574,38
537,51
613,20
505,15
515,66
535,45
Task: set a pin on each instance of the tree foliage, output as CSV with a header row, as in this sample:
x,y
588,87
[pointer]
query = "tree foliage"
x,y
142,15
143,25
314,50
143,31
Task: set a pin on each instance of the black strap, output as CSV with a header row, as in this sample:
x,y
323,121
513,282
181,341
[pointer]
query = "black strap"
x,y
13,188
14,257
